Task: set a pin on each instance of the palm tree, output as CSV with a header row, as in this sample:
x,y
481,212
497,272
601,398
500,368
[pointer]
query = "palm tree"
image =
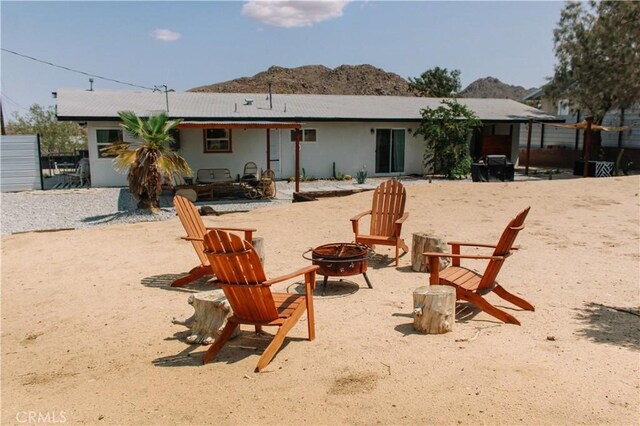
x,y
149,159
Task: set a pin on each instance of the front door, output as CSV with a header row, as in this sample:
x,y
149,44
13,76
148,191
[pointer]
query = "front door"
x,y
390,150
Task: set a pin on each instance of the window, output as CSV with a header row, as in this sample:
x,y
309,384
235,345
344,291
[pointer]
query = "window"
x,y
105,137
217,140
306,135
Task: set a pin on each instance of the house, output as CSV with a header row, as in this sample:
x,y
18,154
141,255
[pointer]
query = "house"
x,y
226,130
559,147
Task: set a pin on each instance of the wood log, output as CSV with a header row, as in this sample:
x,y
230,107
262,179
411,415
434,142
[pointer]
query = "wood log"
x,y
188,193
434,309
211,312
426,241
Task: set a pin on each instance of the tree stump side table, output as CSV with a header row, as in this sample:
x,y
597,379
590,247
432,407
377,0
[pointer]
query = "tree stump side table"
x,y
211,312
426,241
434,309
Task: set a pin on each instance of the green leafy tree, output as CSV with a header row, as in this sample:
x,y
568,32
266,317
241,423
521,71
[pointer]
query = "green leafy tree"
x,y
446,131
437,83
597,46
56,137
149,160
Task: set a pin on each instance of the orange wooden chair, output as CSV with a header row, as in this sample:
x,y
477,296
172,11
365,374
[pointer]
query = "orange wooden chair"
x,y
470,285
241,277
387,216
195,229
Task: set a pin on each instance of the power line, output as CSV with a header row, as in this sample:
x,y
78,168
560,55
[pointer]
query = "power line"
x,y
5,96
76,71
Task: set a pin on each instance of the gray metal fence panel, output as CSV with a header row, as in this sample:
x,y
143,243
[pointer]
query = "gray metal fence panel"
x,y
19,163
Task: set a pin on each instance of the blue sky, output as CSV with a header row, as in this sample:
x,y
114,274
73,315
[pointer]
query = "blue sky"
x,y
189,44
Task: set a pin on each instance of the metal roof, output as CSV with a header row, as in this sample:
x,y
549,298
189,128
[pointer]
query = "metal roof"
x,y
83,105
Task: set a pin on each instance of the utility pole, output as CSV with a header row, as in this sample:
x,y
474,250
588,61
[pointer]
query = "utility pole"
x,y
166,94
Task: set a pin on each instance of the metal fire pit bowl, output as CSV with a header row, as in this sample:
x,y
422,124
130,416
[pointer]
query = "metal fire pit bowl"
x,y
340,260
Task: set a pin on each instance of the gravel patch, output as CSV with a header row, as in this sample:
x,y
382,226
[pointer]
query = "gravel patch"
x,y
87,207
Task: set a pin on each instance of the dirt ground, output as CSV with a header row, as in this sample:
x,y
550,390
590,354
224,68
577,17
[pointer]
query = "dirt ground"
x,y
87,336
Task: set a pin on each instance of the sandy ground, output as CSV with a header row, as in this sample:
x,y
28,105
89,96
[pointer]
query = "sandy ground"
x,y
87,335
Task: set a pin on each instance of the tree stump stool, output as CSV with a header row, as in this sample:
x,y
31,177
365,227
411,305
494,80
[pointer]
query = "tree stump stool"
x,y
258,244
211,312
426,241
434,309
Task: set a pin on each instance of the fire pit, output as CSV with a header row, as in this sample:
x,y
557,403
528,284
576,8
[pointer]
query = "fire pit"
x,y
340,260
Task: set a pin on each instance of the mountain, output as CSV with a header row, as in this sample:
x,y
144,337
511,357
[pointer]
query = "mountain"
x,y
491,87
317,79
349,80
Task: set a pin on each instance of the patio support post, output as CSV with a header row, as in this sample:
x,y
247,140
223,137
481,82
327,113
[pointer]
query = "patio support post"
x,y
585,146
577,131
268,149
526,167
298,160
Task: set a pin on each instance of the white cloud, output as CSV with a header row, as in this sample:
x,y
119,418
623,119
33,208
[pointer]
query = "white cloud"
x,y
165,35
290,14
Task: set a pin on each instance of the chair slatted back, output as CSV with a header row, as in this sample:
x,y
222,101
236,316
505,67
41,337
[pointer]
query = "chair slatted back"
x,y
269,174
503,248
241,275
387,207
250,168
193,225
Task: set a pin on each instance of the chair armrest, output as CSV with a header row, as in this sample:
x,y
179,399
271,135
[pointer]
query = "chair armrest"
x,y
459,244
398,223
193,239
402,219
360,215
462,256
355,220
434,266
303,271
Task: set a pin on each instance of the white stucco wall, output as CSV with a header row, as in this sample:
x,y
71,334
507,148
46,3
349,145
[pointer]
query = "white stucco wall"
x,y
101,169
350,145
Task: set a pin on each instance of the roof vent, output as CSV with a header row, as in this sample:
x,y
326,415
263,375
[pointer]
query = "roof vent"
x,y
248,101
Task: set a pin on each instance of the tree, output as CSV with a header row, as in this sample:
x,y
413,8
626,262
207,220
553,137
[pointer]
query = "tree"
x,y
56,137
446,130
437,83
597,45
149,159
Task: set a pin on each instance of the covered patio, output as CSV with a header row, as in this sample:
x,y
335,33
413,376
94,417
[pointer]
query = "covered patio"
x,y
266,125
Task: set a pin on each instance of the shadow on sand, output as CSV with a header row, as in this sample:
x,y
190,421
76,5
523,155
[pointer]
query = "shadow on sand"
x,y
164,281
610,325
248,343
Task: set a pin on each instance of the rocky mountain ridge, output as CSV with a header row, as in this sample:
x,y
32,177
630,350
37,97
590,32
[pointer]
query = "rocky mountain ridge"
x,y
349,80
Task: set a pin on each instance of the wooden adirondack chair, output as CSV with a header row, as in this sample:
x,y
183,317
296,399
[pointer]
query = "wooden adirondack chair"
x,y
471,285
387,216
241,277
196,230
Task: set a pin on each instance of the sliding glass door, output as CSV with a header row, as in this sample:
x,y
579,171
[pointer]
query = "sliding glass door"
x,y
389,150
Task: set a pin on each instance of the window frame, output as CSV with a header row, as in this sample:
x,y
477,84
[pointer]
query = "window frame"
x,y
100,145
205,140
302,135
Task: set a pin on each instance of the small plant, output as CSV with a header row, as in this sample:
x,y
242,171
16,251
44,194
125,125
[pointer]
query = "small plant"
x,y
339,176
291,179
346,177
303,178
361,176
